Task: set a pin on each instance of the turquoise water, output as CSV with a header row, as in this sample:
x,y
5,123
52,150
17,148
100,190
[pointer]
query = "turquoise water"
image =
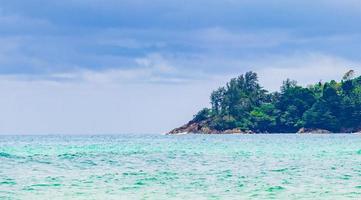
x,y
181,167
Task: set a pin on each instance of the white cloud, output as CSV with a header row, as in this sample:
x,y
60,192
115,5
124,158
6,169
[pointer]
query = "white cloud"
x,y
151,69
304,68
156,63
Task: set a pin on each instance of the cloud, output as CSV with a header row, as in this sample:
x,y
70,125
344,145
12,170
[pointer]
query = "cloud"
x,y
306,69
152,69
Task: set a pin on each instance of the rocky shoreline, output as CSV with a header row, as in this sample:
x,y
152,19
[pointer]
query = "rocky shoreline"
x,y
202,128
313,131
199,128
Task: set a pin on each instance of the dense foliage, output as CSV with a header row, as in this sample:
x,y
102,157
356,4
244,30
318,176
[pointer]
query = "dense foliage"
x,y
243,104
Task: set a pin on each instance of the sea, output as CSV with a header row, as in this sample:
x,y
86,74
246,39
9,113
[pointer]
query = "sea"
x,y
194,167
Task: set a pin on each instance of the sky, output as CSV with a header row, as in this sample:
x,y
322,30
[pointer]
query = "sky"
x,y
140,66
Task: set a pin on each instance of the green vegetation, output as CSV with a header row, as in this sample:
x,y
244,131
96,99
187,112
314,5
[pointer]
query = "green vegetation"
x,y
244,105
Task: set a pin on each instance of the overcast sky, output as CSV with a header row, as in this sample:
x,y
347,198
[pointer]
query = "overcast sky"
x,y
141,66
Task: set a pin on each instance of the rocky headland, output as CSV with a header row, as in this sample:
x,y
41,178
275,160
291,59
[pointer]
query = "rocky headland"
x,y
242,106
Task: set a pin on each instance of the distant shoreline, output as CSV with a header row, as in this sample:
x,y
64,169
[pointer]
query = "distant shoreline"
x,y
275,133
244,107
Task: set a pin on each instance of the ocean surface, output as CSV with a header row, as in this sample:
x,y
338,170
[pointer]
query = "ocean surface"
x,y
181,167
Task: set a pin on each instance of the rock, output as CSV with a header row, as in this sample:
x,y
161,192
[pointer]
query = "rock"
x,y
249,132
207,130
357,132
313,131
233,131
202,128
187,128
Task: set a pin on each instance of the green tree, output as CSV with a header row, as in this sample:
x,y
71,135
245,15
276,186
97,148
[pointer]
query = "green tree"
x,y
244,104
217,100
319,116
292,103
264,118
204,114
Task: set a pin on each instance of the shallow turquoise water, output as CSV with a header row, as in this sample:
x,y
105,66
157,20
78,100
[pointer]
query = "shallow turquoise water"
x,y
181,167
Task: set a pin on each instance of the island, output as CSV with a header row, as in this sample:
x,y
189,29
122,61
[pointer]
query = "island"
x,y
243,106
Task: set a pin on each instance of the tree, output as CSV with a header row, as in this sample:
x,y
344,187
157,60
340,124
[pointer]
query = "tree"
x,y
317,89
245,105
351,104
204,114
288,84
332,99
217,99
319,116
348,75
347,87
264,118
292,103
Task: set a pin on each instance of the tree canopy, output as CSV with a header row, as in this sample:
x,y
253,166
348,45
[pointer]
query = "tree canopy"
x,y
244,104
